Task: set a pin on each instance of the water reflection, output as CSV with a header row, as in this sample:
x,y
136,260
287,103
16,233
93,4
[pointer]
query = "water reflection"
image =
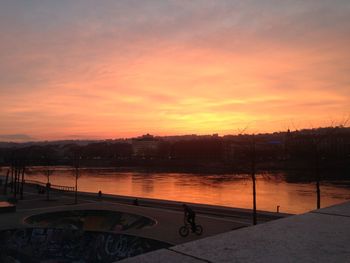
x,y
227,190
147,185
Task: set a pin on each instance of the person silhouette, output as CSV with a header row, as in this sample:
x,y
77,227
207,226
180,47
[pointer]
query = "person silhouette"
x,y
190,216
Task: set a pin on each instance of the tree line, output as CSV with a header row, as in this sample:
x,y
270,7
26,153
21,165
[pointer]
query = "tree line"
x,y
291,151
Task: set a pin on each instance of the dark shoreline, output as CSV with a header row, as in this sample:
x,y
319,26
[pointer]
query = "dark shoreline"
x,y
290,175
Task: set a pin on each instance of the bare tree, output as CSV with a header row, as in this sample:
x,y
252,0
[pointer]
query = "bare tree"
x,y
48,184
317,140
6,182
253,173
16,175
12,174
22,181
250,156
77,175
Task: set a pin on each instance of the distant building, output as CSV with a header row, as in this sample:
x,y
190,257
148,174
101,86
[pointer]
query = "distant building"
x,y
145,146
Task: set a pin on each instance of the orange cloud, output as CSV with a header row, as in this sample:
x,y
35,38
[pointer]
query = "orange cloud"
x,y
199,70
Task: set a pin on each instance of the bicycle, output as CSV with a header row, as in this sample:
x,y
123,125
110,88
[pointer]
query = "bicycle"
x,y
186,228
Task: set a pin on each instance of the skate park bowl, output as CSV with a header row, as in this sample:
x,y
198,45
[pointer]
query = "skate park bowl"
x,y
91,220
29,245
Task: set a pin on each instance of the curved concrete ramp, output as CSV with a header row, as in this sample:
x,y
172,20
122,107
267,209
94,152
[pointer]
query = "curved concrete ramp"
x,y
98,220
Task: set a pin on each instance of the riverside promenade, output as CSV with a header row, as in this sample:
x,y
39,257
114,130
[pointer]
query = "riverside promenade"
x,y
167,214
318,236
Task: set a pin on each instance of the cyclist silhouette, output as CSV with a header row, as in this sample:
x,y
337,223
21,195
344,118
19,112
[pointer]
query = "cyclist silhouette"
x,y
190,216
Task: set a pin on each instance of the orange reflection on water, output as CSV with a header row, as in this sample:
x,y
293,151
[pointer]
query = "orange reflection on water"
x,y
225,190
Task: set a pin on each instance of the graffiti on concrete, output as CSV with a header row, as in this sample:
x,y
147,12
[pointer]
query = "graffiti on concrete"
x,y
97,220
29,245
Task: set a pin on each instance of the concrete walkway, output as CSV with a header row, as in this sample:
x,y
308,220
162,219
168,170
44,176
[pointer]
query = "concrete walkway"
x,y
318,236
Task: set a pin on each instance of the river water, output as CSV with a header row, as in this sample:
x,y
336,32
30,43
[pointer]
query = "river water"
x,y
225,190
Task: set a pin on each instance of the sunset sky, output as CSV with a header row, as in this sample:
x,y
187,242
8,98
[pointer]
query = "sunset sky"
x,y
78,69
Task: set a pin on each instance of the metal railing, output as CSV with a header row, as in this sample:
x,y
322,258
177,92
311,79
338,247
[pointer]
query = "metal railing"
x,y
53,186
63,187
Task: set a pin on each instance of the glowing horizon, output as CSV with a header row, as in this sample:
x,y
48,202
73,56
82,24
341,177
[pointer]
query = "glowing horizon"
x,y
75,70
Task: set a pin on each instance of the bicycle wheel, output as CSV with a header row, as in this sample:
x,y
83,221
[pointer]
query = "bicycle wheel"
x,y
184,231
199,230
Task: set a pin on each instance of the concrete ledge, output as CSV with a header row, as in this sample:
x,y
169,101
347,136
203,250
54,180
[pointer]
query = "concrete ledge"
x,y
340,210
319,236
